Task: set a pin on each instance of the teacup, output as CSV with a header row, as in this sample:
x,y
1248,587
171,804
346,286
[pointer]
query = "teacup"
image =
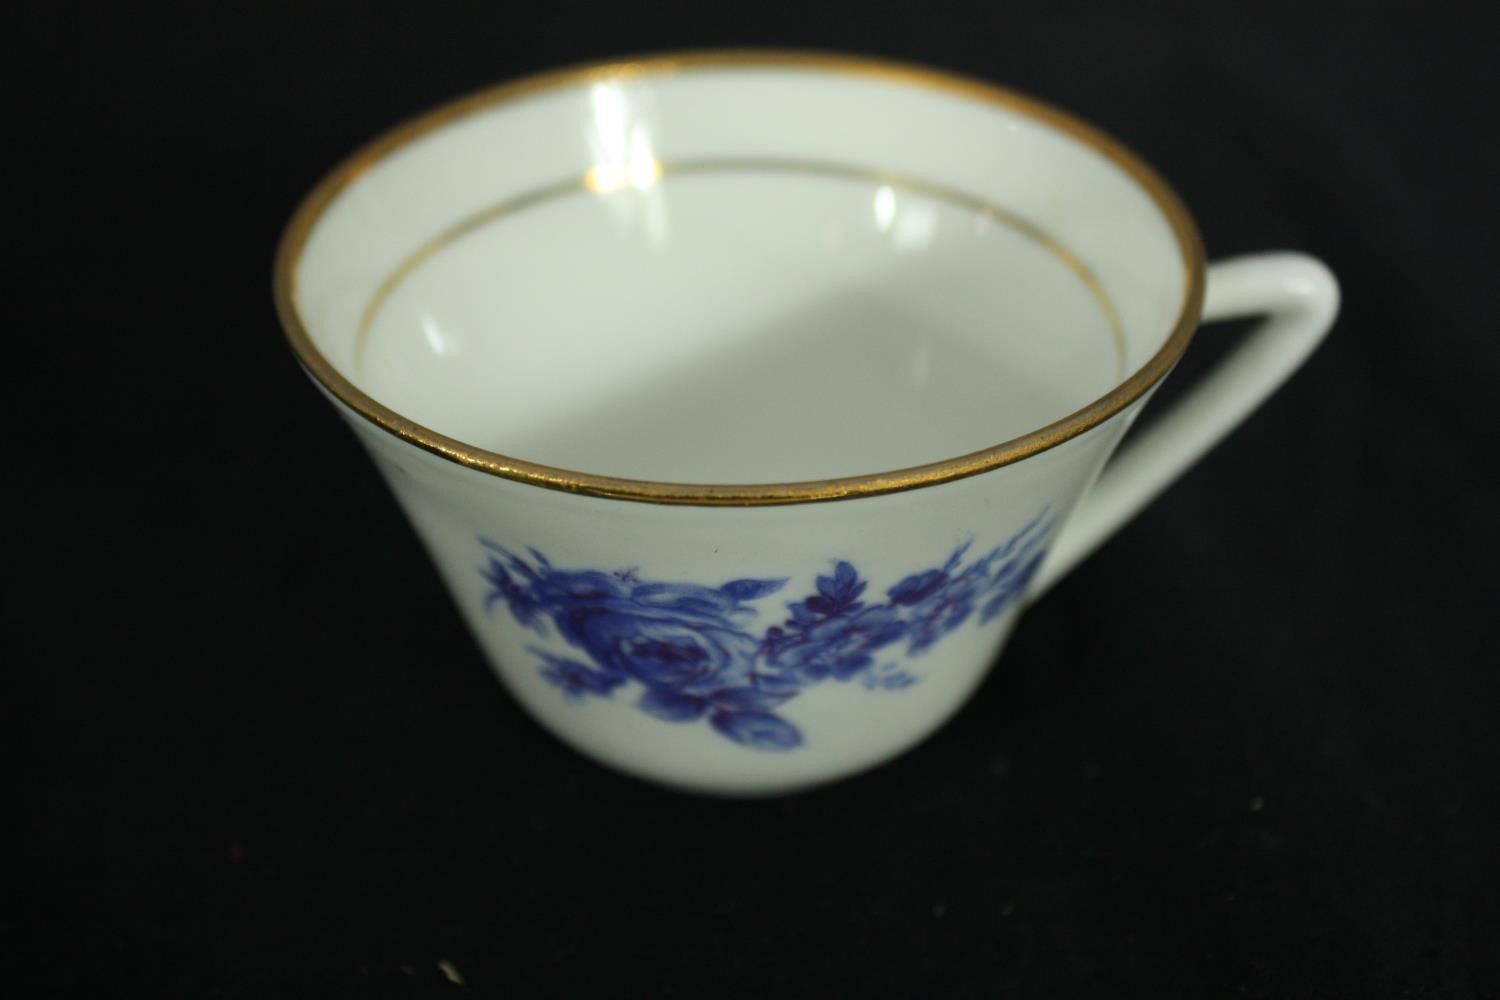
x,y
743,399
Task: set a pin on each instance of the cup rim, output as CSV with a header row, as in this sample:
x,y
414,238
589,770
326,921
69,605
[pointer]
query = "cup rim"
x,y
310,211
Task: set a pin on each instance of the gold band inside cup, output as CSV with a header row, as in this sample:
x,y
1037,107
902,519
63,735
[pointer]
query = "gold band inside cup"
x,y
752,164
294,240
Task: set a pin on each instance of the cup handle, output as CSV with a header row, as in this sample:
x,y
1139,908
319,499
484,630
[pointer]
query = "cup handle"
x,y
1299,297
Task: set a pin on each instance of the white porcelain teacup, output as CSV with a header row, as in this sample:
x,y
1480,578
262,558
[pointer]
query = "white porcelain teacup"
x,y
838,348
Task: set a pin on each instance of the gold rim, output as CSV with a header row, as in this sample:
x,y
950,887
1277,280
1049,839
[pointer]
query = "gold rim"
x,y
294,239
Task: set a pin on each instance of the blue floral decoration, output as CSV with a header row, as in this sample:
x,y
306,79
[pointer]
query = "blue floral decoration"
x,y
691,653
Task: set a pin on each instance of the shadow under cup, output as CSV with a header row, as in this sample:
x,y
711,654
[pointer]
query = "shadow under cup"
x,y
783,280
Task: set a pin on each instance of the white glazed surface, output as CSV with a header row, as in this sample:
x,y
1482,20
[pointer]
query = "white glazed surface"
x,y
750,274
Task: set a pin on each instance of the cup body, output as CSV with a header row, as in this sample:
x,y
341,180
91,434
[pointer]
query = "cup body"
x,y
791,556
612,624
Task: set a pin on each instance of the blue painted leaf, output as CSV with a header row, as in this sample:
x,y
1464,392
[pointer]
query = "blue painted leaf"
x,y
995,606
759,730
574,679
1012,582
848,666
841,588
801,613
778,686
671,706
957,556
750,590
644,590
918,587
760,697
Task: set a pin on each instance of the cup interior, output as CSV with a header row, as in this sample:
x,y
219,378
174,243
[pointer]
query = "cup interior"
x,y
741,270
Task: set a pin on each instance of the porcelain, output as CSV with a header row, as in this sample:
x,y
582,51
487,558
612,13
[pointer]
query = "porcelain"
x,y
744,399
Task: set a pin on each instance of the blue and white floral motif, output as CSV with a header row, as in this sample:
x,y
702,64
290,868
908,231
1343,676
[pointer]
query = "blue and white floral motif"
x,y
690,650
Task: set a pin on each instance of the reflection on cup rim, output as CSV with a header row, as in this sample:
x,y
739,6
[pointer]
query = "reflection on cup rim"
x,y
294,239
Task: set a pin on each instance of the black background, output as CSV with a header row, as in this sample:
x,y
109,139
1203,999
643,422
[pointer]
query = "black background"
x,y
1247,750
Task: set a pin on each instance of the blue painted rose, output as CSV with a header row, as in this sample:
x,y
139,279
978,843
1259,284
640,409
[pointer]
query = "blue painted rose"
x,y
687,651
677,636
684,652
